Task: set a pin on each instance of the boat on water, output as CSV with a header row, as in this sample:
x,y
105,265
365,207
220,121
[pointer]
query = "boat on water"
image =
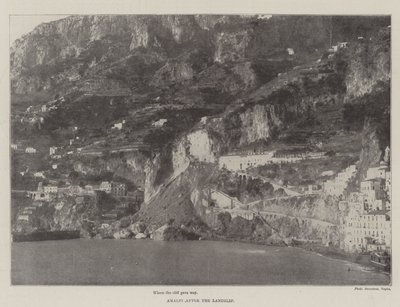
x,y
46,235
381,260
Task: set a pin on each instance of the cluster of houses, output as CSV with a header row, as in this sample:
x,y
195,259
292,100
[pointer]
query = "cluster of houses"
x,y
34,114
25,213
51,105
19,147
338,46
46,193
367,224
119,125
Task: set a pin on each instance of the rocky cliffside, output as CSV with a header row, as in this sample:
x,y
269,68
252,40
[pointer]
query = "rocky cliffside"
x,y
53,52
129,166
192,88
369,64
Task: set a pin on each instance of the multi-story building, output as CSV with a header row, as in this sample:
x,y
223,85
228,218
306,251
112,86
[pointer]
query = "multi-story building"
x,y
361,229
374,194
40,196
378,172
30,150
367,226
242,162
50,189
137,195
313,189
52,150
118,189
105,186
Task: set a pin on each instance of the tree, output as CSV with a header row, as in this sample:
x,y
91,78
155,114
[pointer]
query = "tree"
x,y
73,175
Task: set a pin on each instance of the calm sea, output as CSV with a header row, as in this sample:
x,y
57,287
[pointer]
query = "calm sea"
x,y
135,262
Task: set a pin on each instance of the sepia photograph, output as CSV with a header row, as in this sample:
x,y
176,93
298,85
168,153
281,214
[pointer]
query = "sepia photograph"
x,y
203,150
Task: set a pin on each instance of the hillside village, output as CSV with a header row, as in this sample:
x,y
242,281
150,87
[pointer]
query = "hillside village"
x,y
216,150
365,223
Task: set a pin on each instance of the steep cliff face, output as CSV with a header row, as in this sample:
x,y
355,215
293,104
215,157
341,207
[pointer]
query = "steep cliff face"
x,y
63,213
201,146
258,123
51,50
172,202
55,47
174,160
224,83
152,167
373,147
369,64
129,166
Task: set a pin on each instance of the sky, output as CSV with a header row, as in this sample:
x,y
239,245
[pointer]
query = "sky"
x,y
23,24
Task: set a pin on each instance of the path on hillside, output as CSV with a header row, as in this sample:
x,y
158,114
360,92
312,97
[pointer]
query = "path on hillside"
x,y
267,212
276,186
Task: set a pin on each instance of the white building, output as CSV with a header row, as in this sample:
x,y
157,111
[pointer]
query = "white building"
x,y
118,126
160,122
50,189
242,162
89,189
39,175
363,229
377,172
30,150
118,189
52,150
313,189
24,217
203,120
14,146
40,196
105,186
327,173
224,201
374,194
290,51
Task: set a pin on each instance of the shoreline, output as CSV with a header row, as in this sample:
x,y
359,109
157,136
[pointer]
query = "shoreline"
x,y
328,252
336,254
